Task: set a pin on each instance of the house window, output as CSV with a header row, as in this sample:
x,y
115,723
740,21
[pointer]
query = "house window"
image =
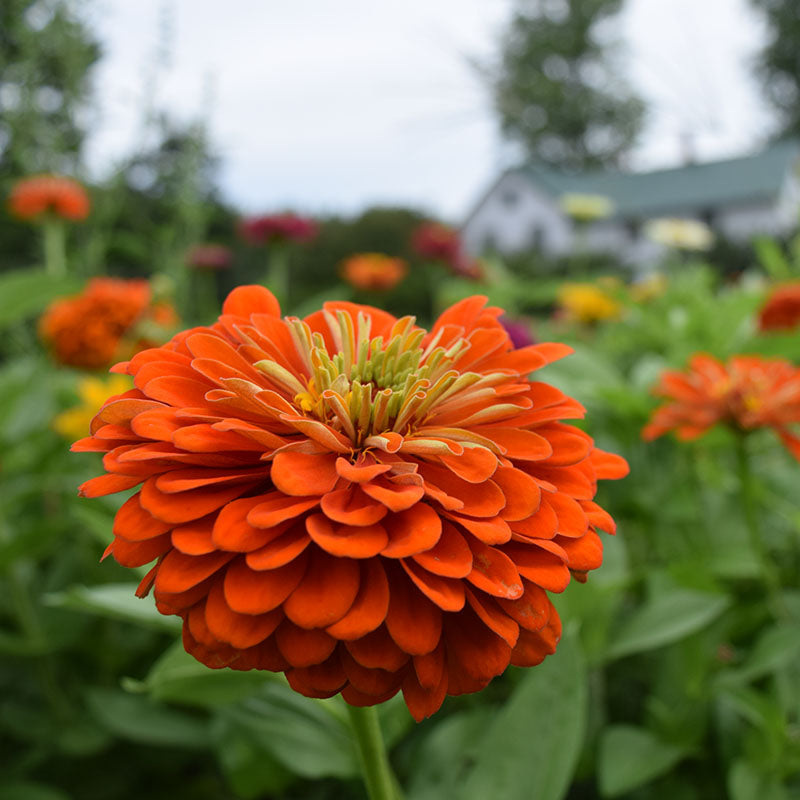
x,y
537,239
633,228
509,198
709,217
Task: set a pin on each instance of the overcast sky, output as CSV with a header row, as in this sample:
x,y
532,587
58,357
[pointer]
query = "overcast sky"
x,y
334,105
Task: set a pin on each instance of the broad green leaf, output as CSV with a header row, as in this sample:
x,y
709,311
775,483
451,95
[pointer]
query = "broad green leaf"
x,y
666,618
631,757
532,745
309,737
756,707
138,718
747,783
27,291
30,790
772,258
250,770
446,753
776,647
117,601
181,678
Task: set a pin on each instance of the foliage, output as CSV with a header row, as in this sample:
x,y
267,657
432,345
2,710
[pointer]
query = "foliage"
x,y
779,62
557,90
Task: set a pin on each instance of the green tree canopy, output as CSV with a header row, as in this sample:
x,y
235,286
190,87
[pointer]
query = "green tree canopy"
x,y
779,62
557,90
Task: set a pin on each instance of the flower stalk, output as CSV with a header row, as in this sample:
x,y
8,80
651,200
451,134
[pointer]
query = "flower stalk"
x,y
747,488
375,769
55,257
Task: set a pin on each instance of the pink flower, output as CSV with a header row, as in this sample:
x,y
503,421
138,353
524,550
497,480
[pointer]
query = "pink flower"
x,y
277,228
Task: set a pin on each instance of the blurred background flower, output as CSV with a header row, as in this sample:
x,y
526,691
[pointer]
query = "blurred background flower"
x,y
35,197
373,271
587,303
93,392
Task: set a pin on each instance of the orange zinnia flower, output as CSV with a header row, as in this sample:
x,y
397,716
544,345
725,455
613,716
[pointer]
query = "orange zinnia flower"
x,y
32,198
347,498
748,392
374,271
88,330
782,309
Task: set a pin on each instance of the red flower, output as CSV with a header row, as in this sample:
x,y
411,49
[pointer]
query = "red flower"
x,y
209,256
374,271
91,329
277,228
439,242
32,198
518,330
364,505
747,393
782,309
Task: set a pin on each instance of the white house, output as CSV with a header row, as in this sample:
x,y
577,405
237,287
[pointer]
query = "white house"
x,y
737,198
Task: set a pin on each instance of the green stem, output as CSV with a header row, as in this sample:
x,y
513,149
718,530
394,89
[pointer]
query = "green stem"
x,y
277,279
375,767
747,487
206,308
55,256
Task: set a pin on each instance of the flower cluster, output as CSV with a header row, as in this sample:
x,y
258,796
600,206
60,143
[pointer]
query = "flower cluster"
x,y
586,207
209,257
681,234
92,329
747,393
373,271
587,303
277,228
33,198
362,504
92,393
781,312
441,243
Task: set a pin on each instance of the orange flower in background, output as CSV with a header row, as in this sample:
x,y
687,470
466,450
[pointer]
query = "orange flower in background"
x,y
364,505
374,271
92,329
747,393
32,198
782,310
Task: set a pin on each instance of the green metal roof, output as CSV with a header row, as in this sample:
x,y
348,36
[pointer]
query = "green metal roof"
x,y
692,188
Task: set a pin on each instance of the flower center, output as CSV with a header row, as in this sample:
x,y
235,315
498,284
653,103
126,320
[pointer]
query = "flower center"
x,y
365,385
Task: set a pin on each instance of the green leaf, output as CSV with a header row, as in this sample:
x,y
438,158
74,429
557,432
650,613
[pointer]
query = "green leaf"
x,y
250,770
30,790
747,783
667,618
309,737
532,746
775,648
444,755
138,718
117,601
181,678
772,258
24,292
631,757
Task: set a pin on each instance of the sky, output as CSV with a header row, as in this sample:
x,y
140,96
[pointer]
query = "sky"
x,y
330,107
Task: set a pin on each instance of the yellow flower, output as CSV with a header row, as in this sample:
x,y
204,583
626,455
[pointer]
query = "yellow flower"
x,y
648,288
586,207
93,392
682,234
586,302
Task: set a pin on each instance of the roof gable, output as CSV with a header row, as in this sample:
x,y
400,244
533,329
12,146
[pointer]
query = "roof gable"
x,y
694,187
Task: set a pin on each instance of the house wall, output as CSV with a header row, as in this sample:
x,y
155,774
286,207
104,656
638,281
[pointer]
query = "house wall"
x,y
515,216
740,223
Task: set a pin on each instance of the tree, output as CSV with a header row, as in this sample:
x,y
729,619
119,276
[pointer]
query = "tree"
x,y
779,62
557,91
46,55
